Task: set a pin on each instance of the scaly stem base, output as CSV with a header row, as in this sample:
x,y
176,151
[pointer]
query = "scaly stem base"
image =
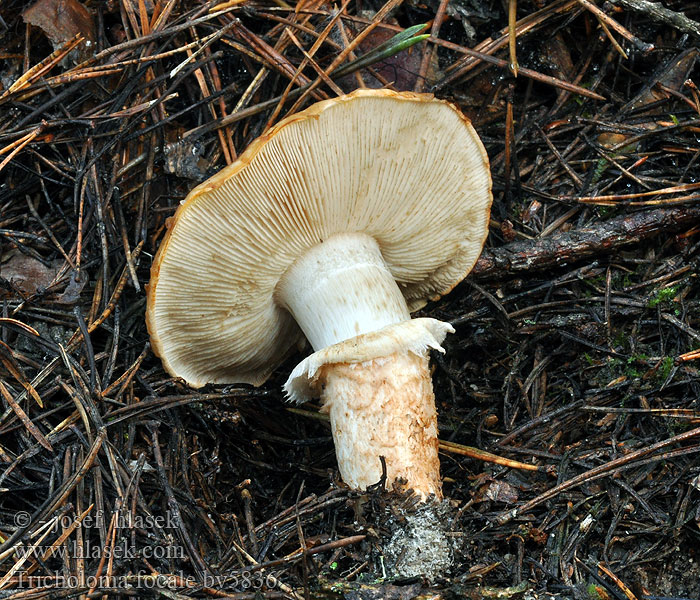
x,y
384,407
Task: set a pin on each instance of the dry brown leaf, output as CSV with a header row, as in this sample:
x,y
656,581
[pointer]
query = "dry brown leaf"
x,y
27,274
61,20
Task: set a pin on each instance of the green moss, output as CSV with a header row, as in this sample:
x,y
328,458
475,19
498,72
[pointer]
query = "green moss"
x,y
621,340
663,296
631,368
665,368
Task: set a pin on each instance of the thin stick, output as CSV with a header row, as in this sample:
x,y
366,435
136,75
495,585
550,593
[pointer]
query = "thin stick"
x,y
624,462
513,36
604,18
26,421
429,51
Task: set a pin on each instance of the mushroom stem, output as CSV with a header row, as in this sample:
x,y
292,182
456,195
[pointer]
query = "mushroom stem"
x,y
371,363
341,288
384,407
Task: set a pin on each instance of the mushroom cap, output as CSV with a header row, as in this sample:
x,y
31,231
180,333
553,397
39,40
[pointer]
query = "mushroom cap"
x,y
404,168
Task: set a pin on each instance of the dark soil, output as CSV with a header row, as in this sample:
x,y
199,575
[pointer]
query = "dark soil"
x,y
575,354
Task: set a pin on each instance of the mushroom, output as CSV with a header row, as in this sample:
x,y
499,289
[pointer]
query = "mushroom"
x,y
335,225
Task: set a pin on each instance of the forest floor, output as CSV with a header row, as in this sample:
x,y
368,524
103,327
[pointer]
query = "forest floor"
x,y
567,398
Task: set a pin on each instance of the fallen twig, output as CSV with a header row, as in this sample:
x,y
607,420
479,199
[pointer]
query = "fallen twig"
x,y
580,244
659,12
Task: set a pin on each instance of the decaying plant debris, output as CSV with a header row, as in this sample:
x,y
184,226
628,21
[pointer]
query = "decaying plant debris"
x,y
574,369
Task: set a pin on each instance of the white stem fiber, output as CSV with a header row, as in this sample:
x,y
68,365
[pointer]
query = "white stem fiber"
x,y
340,289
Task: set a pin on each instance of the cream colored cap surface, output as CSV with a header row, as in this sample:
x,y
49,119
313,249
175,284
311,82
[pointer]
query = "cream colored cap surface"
x,y
404,168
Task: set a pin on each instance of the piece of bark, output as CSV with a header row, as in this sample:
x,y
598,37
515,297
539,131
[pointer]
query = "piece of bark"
x,y
659,12
582,244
